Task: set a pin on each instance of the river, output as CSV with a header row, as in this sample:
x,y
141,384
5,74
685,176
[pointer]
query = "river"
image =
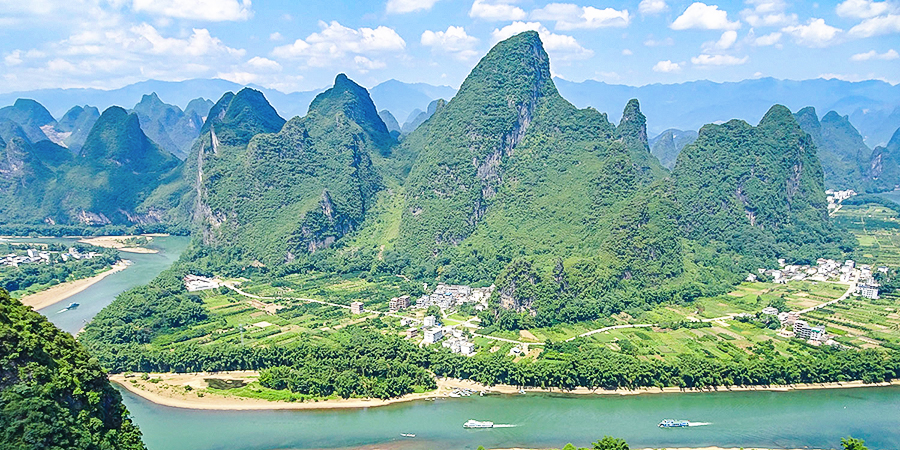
x,y
796,419
144,267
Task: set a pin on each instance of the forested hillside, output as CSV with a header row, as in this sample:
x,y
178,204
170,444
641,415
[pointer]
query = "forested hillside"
x,y
53,394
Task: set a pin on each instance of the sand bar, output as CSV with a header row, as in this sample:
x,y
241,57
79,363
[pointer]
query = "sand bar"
x,y
170,391
60,292
118,243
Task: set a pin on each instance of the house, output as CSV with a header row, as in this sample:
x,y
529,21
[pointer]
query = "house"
x,y
399,303
430,321
412,332
195,283
432,335
356,308
802,330
467,348
867,291
770,311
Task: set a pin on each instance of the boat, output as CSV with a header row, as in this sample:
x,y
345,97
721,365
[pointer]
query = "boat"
x,y
409,435
671,423
72,305
472,423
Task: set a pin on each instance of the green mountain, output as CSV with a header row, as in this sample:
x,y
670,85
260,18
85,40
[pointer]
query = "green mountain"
x,y
389,120
296,191
758,189
118,167
199,106
167,125
884,166
75,125
668,144
841,149
418,117
31,116
54,395
235,119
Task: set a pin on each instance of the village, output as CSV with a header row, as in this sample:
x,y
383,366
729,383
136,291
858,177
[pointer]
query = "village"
x,y
35,256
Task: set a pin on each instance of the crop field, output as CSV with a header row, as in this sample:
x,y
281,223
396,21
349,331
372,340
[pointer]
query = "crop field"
x,y
877,229
861,322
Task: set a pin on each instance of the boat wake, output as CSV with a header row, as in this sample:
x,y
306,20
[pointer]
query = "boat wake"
x,y
699,424
503,425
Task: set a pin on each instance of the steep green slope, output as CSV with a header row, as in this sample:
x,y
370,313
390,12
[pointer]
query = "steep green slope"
x,y
53,394
235,119
841,149
884,167
758,189
300,189
29,177
118,167
31,116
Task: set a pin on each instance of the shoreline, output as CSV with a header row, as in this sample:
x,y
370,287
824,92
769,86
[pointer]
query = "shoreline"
x,y
117,242
165,394
60,292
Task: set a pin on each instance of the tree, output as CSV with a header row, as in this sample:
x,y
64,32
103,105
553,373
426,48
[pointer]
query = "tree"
x,y
850,443
611,443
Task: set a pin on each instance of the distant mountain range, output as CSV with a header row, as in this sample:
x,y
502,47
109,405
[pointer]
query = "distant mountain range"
x,y
873,106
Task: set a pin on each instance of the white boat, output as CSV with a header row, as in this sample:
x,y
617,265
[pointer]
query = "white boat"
x,y
472,423
409,435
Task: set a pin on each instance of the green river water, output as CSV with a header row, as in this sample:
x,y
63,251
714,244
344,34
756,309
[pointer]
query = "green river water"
x,y
797,419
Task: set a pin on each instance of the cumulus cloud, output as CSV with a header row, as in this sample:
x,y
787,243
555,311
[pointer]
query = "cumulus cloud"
x,y
209,10
725,42
667,67
705,17
200,43
864,9
335,41
408,6
651,7
876,26
718,60
569,16
872,54
816,33
767,39
454,41
496,10
561,47
626,52
768,13
364,64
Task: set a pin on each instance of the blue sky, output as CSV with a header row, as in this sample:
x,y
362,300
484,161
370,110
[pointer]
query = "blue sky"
x,y
301,45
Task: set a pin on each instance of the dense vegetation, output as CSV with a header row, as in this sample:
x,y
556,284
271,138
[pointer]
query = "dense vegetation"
x,y
53,395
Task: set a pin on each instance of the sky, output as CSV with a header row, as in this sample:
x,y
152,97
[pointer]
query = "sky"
x,y
293,45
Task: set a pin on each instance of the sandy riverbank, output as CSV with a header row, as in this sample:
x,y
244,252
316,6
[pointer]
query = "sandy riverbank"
x,y
118,243
60,292
170,391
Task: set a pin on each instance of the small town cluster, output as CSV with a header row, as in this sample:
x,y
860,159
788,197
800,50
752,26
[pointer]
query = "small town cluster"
x,y
35,256
835,198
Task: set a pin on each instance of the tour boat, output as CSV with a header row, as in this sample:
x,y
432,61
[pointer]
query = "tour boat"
x,y
670,423
409,435
472,423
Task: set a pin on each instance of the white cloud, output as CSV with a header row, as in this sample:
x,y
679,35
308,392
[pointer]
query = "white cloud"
x,y
864,9
876,26
569,16
496,10
260,63
651,42
768,13
725,42
626,52
651,7
718,60
200,43
767,39
276,36
13,58
706,17
667,67
561,47
211,10
336,41
364,64
872,54
408,6
454,41
816,33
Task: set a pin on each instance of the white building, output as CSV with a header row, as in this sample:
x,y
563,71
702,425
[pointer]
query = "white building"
x,y
802,329
433,335
430,321
356,308
467,348
771,311
867,291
